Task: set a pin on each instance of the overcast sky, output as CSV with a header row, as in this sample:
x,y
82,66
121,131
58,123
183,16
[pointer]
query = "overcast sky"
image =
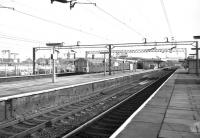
x,y
35,22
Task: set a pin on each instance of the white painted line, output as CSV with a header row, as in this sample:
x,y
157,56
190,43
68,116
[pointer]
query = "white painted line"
x,y
122,127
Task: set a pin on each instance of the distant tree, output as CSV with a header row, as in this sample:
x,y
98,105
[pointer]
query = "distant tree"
x,y
65,61
43,61
27,61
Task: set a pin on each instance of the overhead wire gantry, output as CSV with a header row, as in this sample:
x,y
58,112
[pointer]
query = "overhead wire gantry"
x,y
110,48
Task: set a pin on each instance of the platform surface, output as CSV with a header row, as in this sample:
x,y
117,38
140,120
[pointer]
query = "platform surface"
x,y
173,112
27,86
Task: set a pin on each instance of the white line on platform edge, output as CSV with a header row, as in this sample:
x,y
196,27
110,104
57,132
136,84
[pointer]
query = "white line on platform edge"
x,y
122,127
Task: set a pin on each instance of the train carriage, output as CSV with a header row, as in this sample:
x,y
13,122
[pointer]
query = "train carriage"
x,y
83,65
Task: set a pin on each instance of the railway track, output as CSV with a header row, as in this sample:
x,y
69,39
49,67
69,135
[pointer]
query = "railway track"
x,y
108,122
62,120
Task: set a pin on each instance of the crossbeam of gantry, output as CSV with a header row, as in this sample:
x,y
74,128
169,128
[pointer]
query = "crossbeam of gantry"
x,y
176,43
138,51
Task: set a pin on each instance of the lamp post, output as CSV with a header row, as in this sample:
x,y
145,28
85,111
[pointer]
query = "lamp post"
x,y
15,61
109,48
104,60
4,52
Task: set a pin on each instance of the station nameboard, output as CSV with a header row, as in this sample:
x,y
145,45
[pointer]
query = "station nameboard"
x,y
196,37
195,48
54,44
104,52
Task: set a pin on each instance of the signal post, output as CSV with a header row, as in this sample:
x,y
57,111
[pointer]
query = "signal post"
x,y
53,57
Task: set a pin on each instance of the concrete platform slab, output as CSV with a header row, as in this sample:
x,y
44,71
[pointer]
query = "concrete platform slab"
x,y
154,109
176,100
181,98
181,105
140,130
156,106
176,134
158,102
181,94
176,127
162,95
185,122
181,108
150,117
182,114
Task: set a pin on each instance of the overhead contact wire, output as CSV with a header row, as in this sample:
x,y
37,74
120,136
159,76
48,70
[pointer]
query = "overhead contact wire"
x,y
59,24
166,17
118,20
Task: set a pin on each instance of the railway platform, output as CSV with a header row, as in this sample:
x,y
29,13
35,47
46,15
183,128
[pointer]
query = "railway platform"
x,y
28,86
173,111
20,99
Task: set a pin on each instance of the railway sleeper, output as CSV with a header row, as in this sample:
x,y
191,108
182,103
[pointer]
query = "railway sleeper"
x,y
70,117
9,133
74,106
12,129
28,123
66,108
64,121
82,112
88,109
32,121
47,115
23,126
20,127
77,115
61,111
29,131
4,135
40,120
55,113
